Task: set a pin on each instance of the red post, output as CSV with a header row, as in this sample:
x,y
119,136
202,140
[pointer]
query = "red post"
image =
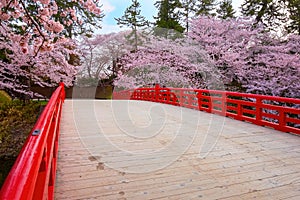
x,y
258,110
282,118
157,92
224,103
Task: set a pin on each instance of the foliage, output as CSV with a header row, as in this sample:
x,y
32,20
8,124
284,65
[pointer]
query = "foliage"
x,y
293,8
225,42
187,11
275,67
206,7
168,15
69,18
233,52
274,14
78,17
100,57
225,9
133,19
168,62
4,97
215,52
33,48
266,11
16,120
248,58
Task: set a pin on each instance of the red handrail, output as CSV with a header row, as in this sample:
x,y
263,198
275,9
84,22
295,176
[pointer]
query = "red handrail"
x,y
33,174
280,113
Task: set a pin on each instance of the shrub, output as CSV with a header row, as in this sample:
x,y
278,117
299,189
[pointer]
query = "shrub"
x,y
16,120
4,97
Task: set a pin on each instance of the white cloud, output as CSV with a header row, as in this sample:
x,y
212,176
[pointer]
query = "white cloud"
x,y
107,7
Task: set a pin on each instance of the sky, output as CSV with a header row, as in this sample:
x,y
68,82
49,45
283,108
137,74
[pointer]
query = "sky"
x,y
115,9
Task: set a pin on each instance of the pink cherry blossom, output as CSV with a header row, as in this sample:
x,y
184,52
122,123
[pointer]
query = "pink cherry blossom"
x,y
4,16
44,11
248,58
41,52
45,2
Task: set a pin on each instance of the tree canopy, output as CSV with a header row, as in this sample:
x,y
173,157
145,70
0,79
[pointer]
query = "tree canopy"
x,y
206,7
276,15
35,44
132,18
168,16
248,58
225,9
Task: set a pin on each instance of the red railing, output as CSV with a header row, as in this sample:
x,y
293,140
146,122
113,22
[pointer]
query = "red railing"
x,y
280,113
33,174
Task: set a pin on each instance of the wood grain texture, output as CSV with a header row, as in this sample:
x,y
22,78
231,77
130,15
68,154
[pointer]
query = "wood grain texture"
x,y
226,159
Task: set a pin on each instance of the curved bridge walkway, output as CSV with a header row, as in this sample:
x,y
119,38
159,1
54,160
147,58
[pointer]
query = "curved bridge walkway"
x,y
144,150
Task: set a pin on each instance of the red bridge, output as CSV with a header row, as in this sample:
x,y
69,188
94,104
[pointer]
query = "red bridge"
x,y
242,146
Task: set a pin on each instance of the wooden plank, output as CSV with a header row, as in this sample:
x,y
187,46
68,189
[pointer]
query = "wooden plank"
x,y
246,161
148,183
270,193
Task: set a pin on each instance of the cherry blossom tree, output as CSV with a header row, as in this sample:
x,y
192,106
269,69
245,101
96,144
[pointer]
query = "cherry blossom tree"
x,y
168,62
100,56
215,52
33,48
226,42
248,58
273,68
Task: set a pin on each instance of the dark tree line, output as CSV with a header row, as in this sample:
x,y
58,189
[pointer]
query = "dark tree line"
x,y
274,13
176,14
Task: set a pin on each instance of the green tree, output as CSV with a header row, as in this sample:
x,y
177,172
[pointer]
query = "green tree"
x,y
293,7
205,7
269,12
132,18
225,9
169,15
188,8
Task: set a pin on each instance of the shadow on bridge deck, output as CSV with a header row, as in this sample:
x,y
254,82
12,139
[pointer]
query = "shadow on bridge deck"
x,y
144,150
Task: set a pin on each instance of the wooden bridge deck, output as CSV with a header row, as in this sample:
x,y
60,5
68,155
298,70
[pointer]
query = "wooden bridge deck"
x,y
106,153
